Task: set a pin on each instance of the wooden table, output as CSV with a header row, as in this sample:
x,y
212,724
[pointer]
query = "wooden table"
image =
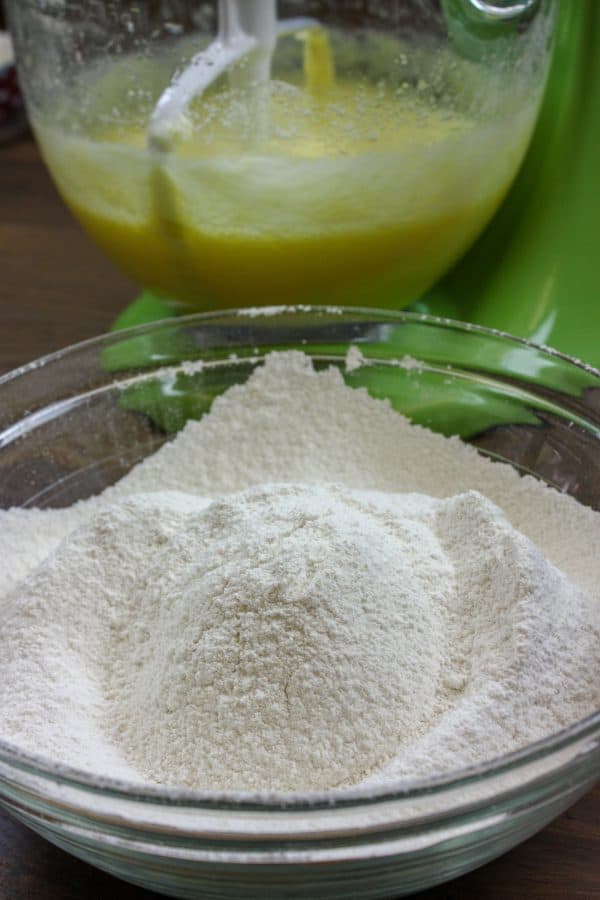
x,y
56,288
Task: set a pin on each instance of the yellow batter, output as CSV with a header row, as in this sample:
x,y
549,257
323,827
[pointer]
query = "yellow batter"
x,y
333,192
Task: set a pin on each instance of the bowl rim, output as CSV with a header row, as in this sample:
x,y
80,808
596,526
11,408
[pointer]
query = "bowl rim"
x,y
273,312
404,789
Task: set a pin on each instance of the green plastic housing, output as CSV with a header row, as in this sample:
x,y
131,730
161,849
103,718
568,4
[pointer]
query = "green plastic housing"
x,y
535,272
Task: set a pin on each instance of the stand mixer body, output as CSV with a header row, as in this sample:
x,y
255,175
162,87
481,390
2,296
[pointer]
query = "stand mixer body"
x,y
256,174
535,272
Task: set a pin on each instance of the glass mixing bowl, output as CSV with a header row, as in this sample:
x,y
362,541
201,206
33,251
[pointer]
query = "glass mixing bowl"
x,y
74,422
334,152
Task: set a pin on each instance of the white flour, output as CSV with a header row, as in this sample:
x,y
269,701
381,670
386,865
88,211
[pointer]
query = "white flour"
x,y
326,621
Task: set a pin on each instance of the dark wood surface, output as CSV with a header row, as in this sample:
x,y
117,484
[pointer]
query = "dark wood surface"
x,y
57,288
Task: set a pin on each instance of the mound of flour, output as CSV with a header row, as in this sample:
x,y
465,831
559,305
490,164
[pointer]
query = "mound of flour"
x,y
302,591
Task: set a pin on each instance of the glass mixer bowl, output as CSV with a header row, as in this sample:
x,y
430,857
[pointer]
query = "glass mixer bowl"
x,y
248,151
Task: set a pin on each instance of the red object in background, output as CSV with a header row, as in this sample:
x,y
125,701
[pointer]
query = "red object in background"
x,y
10,96
12,108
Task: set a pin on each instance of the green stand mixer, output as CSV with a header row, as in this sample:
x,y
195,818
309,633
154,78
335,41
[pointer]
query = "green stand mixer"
x,y
534,273
348,158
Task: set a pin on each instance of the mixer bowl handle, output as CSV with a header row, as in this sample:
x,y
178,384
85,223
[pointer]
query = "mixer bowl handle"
x,y
503,11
